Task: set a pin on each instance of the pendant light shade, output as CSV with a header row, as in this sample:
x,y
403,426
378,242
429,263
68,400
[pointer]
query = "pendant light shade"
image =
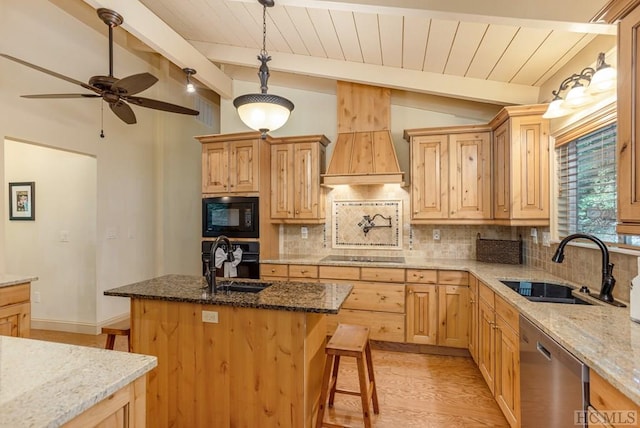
x,y
263,112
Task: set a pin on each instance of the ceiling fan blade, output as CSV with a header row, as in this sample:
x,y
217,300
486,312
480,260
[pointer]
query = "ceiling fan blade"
x,y
133,84
51,73
123,111
161,105
61,96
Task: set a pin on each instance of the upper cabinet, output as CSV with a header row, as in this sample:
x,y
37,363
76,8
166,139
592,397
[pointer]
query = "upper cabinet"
x,y
296,165
628,123
521,166
451,174
230,163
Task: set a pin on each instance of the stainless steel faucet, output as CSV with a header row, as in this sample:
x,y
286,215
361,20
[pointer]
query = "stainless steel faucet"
x,y
210,275
608,281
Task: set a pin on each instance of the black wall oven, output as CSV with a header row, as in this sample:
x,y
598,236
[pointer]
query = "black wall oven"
x,y
249,266
231,216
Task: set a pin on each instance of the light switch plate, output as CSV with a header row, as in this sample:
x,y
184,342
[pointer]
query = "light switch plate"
x,y
210,316
546,239
436,234
304,232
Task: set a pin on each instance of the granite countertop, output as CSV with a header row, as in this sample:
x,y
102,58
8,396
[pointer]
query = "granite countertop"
x,y
285,296
7,279
45,384
600,335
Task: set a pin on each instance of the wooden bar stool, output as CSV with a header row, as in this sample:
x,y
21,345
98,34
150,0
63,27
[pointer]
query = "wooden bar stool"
x,y
120,328
349,341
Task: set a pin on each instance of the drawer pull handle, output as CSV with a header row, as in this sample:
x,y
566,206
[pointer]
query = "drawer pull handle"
x,y
303,271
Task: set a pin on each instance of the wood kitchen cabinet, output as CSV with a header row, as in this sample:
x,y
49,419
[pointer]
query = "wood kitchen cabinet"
x,y
230,163
499,351
608,407
15,310
451,174
296,165
438,308
521,166
473,317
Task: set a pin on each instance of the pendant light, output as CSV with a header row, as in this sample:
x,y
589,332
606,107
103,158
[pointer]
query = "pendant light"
x,y
263,112
190,86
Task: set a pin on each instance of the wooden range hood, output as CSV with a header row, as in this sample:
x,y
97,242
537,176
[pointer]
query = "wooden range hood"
x,y
364,152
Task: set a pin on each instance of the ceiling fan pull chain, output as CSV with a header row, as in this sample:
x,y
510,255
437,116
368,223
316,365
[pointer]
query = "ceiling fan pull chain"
x,y
101,120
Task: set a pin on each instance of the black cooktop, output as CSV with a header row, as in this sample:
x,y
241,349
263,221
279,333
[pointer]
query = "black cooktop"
x,y
363,259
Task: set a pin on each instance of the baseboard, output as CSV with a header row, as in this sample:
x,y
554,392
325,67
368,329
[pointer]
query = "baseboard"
x,y
74,327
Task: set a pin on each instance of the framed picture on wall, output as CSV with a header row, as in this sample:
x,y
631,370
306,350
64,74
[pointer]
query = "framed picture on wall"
x,y
22,201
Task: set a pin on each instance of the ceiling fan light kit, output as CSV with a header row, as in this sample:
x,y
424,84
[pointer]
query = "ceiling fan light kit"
x,y
584,88
190,86
118,93
263,112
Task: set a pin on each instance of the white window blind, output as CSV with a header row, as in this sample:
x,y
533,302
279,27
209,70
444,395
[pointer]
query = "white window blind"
x,y
587,188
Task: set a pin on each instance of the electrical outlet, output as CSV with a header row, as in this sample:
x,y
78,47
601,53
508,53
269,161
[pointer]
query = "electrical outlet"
x,y
36,297
304,232
534,232
210,316
546,239
436,234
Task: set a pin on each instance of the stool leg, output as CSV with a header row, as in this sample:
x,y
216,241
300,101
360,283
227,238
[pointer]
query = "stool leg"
x,y
334,379
372,380
362,377
111,341
323,392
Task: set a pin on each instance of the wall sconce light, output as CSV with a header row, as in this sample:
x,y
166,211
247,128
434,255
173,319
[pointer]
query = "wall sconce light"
x,y
263,112
584,88
190,86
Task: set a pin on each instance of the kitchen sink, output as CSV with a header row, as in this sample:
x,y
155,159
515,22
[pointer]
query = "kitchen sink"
x,y
363,259
242,286
545,292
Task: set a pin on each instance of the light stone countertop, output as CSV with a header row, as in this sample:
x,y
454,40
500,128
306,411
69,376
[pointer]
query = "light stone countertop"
x,y
602,336
46,384
7,279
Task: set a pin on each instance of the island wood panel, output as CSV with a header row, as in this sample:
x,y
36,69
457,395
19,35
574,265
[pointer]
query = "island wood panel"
x,y
253,368
384,326
124,408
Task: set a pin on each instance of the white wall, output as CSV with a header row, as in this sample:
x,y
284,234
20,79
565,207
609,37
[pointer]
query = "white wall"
x,y
140,168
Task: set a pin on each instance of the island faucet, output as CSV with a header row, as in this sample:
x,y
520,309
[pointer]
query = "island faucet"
x,y
608,281
210,275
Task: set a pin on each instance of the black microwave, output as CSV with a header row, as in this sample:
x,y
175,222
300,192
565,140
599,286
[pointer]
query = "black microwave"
x,y
232,216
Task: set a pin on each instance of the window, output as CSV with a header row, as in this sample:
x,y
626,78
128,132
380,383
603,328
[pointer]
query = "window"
x,y
587,198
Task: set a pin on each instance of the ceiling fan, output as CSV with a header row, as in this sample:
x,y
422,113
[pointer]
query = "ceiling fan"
x,y
116,92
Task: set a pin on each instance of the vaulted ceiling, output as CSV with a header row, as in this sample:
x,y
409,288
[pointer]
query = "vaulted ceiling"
x,y
499,51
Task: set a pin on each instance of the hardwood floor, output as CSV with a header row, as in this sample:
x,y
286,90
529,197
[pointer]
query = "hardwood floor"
x,y
414,390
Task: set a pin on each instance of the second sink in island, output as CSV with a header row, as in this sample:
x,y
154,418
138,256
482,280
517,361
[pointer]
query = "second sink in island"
x,y
238,359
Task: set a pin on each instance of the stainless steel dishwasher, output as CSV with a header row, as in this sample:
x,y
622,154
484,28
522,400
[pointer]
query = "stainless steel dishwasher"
x,y
554,384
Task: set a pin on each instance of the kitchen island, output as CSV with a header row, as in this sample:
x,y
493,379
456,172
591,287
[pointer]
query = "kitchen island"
x,y
237,359
44,384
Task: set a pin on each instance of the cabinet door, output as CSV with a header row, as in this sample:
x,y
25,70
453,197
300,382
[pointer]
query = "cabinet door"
x,y
307,181
473,317
453,316
486,332
429,172
501,172
529,168
628,120
15,320
282,184
422,314
215,168
243,166
470,176
507,371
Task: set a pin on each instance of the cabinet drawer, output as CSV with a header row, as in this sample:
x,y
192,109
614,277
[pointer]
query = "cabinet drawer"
x,y
339,272
486,294
382,325
15,294
508,313
452,277
375,296
268,269
303,271
382,274
422,276
605,398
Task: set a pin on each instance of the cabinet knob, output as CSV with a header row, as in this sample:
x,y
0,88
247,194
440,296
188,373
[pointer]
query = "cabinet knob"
x,y
297,212
303,271
421,276
273,270
383,298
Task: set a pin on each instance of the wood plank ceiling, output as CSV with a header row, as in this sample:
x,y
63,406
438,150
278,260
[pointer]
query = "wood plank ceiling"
x,y
510,48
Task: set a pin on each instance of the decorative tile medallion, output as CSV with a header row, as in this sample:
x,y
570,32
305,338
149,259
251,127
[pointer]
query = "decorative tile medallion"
x,y
367,224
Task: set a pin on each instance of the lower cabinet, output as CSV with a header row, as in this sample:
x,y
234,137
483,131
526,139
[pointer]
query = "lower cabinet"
x,y
473,317
499,351
15,310
438,308
608,407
